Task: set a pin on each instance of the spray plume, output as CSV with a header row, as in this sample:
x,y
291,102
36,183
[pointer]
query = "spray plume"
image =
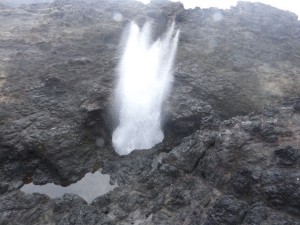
x,y
145,76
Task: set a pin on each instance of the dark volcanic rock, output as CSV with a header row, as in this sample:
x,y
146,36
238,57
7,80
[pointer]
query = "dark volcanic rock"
x,y
287,156
226,210
57,74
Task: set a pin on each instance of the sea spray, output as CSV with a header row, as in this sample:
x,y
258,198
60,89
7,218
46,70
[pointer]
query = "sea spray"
x,y
145,76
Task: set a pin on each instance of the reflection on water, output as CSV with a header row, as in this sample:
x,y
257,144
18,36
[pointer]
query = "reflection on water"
x,y
89,187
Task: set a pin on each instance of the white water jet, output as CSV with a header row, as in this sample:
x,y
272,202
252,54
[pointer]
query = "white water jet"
x,y
145,76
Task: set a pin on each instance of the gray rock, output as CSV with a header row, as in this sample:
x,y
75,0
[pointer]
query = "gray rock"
x,y
226,210
231,148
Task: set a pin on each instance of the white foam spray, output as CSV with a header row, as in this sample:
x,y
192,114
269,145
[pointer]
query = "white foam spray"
x,y
145,76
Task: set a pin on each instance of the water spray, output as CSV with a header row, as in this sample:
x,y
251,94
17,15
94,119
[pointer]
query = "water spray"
x,y
145,77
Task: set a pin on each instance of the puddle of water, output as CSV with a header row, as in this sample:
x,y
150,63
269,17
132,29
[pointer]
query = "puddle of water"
x,y
89,187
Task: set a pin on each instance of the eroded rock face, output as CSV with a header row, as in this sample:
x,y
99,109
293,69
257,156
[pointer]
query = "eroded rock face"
x,y
57,74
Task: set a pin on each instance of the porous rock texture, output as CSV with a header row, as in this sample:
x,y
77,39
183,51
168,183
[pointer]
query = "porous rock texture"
x,y
232,121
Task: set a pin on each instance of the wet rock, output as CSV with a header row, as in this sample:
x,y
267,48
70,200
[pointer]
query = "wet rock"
x,y
177,199
72,209
227,210
101,201
297,107
287,156
187,155
3,187
23,209
231,150
242,181
260,214
169,170
281,189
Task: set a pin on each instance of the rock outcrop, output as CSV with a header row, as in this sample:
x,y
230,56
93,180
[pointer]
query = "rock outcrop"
x,y
231,153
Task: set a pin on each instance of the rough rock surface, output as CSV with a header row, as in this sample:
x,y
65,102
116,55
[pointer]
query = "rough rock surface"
x,y
231,153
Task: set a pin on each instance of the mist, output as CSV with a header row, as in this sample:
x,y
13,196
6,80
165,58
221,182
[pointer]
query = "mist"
x,y
20,2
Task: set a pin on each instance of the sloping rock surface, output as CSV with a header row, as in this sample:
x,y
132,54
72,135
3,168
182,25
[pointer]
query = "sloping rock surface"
x,y
231,153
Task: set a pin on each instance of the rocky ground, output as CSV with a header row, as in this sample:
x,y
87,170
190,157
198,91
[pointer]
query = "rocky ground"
x,y
232,130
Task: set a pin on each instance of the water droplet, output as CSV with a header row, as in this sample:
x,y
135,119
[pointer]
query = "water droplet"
x,y
218,16
118,17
